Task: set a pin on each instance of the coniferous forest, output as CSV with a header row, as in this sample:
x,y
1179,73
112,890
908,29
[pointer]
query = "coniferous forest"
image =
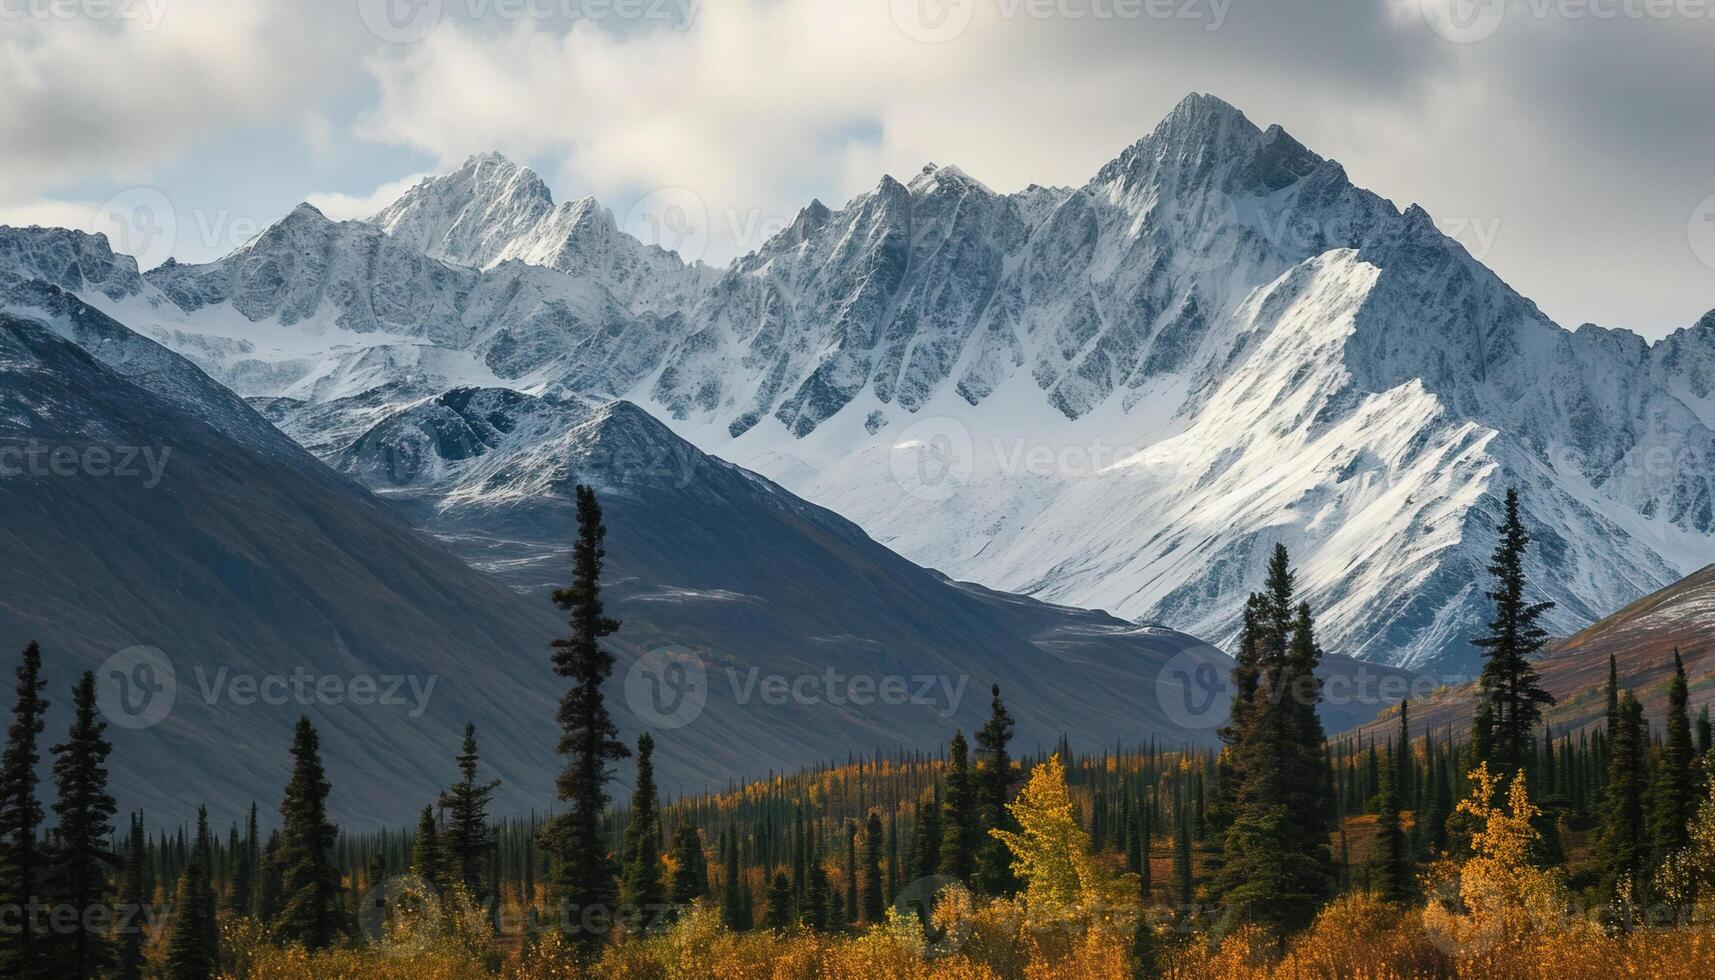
x,y
1509,849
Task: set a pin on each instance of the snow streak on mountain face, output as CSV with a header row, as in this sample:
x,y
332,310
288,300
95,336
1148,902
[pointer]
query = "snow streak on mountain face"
x,y
1119,395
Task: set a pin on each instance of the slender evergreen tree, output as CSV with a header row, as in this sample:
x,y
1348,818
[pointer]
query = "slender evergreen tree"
x,y
1674,799
81,856
133,908
243,898
733,914
23,952
193,948
189,956
428,858
959,816
1390,875
1278,866
1509,683
874,900
993,777
778,913
585,880
641,889
469,841
690,869
312,909
1623,845
926,849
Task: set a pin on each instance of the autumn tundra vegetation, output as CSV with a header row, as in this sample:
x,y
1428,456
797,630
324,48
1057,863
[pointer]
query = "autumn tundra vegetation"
x,y
1509,850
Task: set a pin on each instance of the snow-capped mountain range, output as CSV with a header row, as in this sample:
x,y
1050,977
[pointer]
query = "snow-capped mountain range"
x,y
1116,396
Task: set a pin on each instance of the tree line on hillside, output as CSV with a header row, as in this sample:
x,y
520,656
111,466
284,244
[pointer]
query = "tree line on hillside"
x,y
1260,834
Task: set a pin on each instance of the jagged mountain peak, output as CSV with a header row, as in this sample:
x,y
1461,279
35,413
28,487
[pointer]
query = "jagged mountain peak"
x,y
73,260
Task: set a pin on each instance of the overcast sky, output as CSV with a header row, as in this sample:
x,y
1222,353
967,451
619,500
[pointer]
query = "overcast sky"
x,y
1568,143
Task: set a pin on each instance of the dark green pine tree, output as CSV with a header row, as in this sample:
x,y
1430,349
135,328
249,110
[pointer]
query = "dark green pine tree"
x,y
1623,844
81,856
777,915
1674,799
189,956
733,914
242,901
1390,866
959,815
874,899
926,848
132,913
193,948
312,909
270,883
851,902
585,880
641,890
690,869
1278,866
469,841
23,952
428,857
818,899
1182,857
1146,830
1509,683
993,778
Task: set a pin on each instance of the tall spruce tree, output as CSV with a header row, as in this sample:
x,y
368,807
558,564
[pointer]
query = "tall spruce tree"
x,y
1674,799
733,913
193,948
469,841
132,912
641,889
993,778
959,816
874,899
23,952
81,856
1390,873
189,956
585,880
1278,867
690,869
777,913
428,858
926,847
1509,683
243,898
312,909
1623,844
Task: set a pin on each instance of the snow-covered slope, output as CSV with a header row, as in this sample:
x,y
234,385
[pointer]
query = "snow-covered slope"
x,y
1118,395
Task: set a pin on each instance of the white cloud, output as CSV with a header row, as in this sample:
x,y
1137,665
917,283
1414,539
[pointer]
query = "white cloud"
x,y
113,97
349,207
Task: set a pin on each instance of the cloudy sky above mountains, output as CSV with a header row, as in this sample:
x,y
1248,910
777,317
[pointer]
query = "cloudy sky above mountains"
x,y
1568,143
